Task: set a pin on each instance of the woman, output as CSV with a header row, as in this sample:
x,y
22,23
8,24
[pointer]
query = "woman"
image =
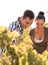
x,y
39,35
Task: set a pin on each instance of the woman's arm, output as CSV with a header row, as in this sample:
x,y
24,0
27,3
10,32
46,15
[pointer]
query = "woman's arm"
x,y
47,46
31,37
31,33
47,40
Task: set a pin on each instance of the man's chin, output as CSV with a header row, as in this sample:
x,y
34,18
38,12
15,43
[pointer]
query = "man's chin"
x,y
25,27
39,28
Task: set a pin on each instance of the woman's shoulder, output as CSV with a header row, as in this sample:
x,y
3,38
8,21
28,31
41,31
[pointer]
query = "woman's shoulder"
x,y
31,32
46,29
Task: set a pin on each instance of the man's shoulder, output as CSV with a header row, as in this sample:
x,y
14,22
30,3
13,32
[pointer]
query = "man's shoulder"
x,y
12,26
16,26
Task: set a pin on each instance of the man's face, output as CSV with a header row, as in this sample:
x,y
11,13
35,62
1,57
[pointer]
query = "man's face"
x,y
27,22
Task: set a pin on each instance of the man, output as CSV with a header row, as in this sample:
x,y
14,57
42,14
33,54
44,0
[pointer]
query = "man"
x,y
22,22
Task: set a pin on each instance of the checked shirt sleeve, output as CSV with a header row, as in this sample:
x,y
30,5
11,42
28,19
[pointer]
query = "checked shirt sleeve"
x,y
12,26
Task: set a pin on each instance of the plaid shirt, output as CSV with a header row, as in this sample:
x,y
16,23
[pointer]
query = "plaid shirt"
x,y
16,26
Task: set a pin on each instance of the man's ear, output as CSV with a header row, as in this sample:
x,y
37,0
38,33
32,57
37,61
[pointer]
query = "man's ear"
x,y
21,18
32,20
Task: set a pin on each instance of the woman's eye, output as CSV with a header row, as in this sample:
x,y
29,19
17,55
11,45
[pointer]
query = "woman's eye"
x,y
39,24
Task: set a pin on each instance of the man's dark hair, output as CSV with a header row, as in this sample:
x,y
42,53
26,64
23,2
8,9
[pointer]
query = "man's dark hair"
x,y
18,18
28,13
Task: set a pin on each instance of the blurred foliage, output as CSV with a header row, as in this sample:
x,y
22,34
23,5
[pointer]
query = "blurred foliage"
x,y
46,25
20,52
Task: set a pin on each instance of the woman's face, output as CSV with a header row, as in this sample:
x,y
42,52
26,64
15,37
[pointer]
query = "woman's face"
x,y
40,23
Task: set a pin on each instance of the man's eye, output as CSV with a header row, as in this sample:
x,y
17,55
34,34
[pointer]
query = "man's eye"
x,y
37,23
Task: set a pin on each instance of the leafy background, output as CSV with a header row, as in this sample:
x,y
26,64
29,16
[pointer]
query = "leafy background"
x,y
20,52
